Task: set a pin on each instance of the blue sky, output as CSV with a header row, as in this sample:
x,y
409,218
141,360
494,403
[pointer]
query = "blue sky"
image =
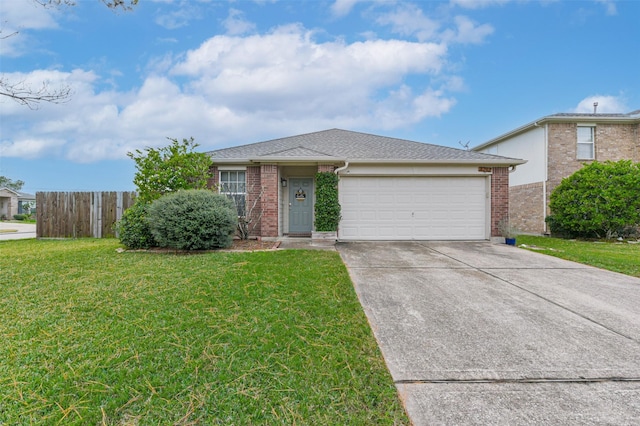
x,y
235,72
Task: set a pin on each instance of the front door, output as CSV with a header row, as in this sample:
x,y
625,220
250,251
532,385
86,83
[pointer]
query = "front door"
x,y
300,206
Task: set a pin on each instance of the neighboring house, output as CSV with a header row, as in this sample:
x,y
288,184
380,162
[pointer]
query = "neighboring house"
x,y
11,202
555,147
389,189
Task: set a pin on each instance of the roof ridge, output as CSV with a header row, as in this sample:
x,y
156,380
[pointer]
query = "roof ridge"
x,y
297,147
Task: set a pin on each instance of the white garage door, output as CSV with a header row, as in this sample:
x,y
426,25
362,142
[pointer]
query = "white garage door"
x,y
413,208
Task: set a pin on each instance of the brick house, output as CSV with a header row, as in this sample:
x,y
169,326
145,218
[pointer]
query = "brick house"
x,y
389,189
555,147
11,202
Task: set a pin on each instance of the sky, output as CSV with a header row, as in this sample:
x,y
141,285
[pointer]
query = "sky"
x,y
454,73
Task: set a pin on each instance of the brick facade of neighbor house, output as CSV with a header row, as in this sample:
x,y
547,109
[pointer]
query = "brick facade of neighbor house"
x,y
613,142
550,145
499,198
526,211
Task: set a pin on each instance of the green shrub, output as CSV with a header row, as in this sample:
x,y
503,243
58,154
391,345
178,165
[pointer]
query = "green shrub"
x,y
133,229
327,207
19,216
599,200
193,220
164,170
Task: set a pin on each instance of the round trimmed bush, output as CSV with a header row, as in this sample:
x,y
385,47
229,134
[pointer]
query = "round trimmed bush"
x,y
193,220
599,200
133,229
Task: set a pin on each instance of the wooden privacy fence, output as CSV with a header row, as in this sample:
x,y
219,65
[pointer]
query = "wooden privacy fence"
x,y
79,214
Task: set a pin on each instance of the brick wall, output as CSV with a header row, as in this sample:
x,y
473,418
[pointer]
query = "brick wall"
x,y
612,142
617,142
269,180
526,207
212,182
326,168
499,198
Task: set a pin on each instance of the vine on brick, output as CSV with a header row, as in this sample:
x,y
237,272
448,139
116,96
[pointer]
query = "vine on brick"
x,y
327,207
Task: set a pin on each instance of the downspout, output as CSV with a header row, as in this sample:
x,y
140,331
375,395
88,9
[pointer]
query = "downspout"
x,y
339,169
336,171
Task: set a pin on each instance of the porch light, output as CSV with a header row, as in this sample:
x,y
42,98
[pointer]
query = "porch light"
x,y
283,182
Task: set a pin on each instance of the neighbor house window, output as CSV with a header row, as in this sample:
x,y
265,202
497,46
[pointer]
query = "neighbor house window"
x,y
586,139
233,185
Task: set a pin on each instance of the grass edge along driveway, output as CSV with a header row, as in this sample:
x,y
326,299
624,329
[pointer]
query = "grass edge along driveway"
x,y
92,336
622,257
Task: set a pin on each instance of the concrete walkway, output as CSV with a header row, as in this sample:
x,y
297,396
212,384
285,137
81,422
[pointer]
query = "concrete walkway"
x,y
481,333
17,230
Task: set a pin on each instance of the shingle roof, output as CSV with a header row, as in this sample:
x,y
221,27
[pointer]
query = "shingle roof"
x,y
632,117
26,195
344,145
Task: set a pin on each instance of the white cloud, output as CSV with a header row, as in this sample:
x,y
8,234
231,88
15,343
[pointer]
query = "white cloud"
x,y
467,32
235,24
606,104
234,89
20,17
478,4
180,17
287,71
610,7
342,8
31,147
409,20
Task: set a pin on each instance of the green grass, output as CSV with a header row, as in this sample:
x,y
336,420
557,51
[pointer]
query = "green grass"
x,y
615,256
92,336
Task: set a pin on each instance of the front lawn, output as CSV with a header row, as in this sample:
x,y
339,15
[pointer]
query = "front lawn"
x,y
92,336
615,256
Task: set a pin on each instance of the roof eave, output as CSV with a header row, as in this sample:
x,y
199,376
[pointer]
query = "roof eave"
x,y
463,162
277,160
451,162
633,119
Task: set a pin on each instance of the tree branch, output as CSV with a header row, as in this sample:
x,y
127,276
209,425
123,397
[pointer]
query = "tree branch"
x,y
27,95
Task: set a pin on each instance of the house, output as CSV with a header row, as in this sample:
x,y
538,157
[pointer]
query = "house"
x,y
389,189
555,147
12,202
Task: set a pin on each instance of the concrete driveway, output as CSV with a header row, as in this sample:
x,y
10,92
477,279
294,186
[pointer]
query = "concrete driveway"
x,y
16,230
482,333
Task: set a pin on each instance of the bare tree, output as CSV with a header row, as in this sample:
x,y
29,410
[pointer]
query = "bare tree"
x,y
31,96
248,217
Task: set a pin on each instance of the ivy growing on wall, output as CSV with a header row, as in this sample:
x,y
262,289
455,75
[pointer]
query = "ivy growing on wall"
x,y
327,207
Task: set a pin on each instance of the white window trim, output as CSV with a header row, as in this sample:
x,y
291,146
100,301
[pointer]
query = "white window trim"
x,y
592,143
233,194
232,168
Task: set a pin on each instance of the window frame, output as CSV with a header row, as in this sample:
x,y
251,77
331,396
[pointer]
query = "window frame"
x,y
237,191
591,143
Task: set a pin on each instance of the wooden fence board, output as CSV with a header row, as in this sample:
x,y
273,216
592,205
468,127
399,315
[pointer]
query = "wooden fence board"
x,y
80,214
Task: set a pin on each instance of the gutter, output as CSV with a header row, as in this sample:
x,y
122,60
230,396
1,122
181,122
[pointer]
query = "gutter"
x,y
497,161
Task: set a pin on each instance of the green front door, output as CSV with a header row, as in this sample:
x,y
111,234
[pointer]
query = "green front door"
x,y
300,206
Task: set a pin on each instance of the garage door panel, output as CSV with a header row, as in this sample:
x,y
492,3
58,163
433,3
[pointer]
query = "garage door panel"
x,y
418,208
